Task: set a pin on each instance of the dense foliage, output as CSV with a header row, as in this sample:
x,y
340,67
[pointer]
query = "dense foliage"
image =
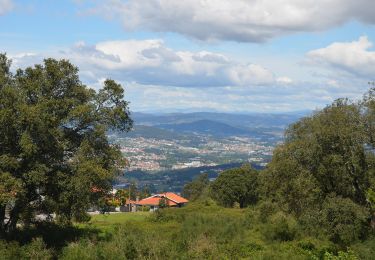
x,y
195,189
54,150
238,185
324,172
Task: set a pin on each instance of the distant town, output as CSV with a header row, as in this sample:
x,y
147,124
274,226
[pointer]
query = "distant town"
x,y
166,151
150,154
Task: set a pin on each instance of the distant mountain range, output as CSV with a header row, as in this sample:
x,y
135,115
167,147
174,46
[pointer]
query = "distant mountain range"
x,y
176,125
152,132
204,126
234,120
209,127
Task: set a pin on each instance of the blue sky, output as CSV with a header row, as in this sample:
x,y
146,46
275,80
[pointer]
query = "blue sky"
x,y
203,55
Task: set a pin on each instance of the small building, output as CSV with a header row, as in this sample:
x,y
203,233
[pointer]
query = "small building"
x,y
130,206
171,200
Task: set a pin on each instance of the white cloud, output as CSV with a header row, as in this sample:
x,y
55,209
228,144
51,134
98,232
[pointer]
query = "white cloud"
x,y
151,62
303,96
158,77
236,20
354,57
250,74
284,80
6,6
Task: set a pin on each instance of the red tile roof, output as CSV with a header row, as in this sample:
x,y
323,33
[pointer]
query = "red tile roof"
x,y
172,199
154,201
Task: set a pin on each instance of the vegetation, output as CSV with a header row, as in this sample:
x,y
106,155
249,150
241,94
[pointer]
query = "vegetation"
x,y
54,150
238,185
324,172
194,190
315,199
201,230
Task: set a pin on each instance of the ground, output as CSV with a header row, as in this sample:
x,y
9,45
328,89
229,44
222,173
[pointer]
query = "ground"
x,y
198,231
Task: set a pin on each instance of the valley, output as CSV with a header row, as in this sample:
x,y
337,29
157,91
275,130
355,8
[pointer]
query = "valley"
x,y
167,150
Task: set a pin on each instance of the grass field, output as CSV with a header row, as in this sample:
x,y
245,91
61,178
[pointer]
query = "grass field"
x,y
198,231
109,222
101,220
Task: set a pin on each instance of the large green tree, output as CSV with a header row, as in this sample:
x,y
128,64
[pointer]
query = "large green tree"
x,y
238,185
323,155
194,189
54,153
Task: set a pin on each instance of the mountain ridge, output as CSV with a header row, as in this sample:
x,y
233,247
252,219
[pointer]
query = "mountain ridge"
x,y
256,120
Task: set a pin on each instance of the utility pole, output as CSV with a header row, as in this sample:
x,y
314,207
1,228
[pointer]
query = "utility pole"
x,y
130,207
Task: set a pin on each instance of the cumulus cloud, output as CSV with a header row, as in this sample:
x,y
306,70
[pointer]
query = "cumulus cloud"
x,y
302,96
5,6
151,62
250,74
236,20
284,80
355,58
159,77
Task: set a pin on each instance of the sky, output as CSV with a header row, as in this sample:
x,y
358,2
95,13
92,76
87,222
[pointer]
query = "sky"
x,y
236,56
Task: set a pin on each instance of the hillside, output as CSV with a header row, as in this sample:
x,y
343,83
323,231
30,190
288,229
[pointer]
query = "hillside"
x,y
151,132
255,120
206,127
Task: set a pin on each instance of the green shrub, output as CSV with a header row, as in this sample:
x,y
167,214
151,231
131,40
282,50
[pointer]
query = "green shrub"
x,y
160,215
81,250
365,249
266,209
344,220
37,250
349,255
145,208
281,227
10,250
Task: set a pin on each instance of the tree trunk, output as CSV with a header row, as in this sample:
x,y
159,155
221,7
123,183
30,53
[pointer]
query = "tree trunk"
x,y
2,219
13,219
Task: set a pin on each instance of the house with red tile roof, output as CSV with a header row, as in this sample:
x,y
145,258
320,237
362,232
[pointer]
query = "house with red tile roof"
x,y
129,206
171,200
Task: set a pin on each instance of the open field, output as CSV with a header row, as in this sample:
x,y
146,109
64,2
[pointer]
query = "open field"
x,y
102,220
198,231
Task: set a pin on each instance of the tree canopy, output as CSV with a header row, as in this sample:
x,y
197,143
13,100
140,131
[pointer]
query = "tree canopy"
x,y
54,153
324,171
194,189
238,185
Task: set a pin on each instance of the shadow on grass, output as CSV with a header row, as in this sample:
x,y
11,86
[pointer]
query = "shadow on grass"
x,y
55,236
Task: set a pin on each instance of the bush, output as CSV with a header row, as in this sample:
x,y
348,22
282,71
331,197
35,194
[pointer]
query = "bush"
x,y
349,255
163,215
37,250
366,249
10,250
281,227
266,209
145,208
344,221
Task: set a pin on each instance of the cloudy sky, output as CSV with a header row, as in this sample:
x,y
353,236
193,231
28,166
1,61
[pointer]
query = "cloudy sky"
x,y
203,55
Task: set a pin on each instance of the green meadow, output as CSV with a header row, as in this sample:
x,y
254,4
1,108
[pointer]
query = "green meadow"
x,y
201,230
